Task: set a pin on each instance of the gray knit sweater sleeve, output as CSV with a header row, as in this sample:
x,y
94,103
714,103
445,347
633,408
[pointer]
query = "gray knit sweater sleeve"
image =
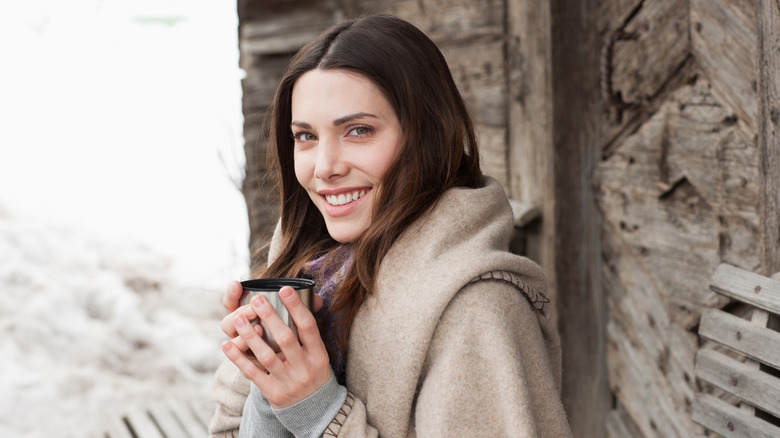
x,y
259,419
306,419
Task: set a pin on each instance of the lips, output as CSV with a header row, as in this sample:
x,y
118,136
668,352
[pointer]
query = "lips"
x,y
342,202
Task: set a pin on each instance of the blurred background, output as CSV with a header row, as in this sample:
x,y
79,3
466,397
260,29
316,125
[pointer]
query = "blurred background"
x,y
121,216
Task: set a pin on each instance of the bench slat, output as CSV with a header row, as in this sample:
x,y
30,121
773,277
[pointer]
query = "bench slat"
x,y
727,420
143,426
203,410
117,428
166,420
186,417
747,287
760,344
753,386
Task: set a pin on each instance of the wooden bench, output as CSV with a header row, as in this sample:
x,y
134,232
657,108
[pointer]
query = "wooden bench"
x,y
737,359
163,419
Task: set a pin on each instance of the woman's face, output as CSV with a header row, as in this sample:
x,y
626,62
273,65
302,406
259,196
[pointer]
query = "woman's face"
x,y
346,136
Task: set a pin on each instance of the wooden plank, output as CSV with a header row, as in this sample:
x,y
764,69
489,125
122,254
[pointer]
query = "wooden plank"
x,y
641,67
142,424
530,134
747,287
166,420
760,344
202,410
727,420
191,423
723,37
660,192
479,72
768,29
576,221
619,425
278,44
117,427
492,152
752,386
448,22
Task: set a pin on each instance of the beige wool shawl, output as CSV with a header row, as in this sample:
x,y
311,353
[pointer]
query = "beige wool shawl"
x,y
452,342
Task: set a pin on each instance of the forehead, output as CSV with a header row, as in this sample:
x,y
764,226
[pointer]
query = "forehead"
x,y
331,94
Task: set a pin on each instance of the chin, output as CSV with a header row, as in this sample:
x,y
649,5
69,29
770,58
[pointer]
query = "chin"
x,y
345,234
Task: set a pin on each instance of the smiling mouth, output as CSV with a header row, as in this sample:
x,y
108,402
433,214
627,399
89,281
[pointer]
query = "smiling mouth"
x,y
344,198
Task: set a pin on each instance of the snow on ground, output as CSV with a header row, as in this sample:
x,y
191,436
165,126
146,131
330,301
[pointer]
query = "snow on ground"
x,y
88,327
120,220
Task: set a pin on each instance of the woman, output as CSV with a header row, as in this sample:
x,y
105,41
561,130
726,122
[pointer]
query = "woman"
x,y
431,326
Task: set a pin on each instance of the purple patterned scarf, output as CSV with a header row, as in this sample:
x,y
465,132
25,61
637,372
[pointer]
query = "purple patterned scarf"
x,y
328,271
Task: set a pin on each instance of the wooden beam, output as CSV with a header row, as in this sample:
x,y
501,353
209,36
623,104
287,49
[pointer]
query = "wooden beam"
x,y
747,287
758,343
576,220
727,420
529,131
755,387
768,26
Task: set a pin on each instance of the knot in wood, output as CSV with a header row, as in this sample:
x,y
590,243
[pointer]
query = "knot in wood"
x,y
730,425
734,381
739,336
757,289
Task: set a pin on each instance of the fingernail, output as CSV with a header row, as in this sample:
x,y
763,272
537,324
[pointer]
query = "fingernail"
x,y
286,292
258,301
239,321
226,346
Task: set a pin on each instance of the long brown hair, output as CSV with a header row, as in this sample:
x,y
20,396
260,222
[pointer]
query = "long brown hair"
x,y
438,150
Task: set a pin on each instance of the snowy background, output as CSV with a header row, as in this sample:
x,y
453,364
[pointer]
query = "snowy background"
x,y
120,218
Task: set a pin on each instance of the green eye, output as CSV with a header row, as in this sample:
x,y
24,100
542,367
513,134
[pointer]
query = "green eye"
x,y
360,130
304,136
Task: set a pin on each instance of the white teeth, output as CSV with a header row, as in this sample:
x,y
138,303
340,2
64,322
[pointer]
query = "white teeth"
x,y
344,198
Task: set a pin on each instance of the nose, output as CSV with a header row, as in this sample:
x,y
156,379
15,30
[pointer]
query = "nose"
x,y
331,163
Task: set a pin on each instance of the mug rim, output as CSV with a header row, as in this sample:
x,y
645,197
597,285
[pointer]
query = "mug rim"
x,y
274,284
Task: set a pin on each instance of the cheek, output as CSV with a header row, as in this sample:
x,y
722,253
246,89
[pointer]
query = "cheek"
x,y
301,169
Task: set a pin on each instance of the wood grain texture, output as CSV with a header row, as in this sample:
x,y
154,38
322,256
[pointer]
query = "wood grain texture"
x,y
530,136
747,287
757,343
753,386
723,38
729,421
492,151
142,424
768,24
682,192
641,67
576,220
650,357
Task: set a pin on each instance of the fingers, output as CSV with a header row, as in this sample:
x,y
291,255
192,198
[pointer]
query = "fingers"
x,y
232,297
266,356
304,320
228,326
284,337
248,367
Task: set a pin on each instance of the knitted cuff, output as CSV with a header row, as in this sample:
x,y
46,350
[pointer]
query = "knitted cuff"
x,y
259,418
312,415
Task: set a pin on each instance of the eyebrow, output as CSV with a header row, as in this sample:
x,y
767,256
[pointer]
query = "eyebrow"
x,y
338,122
342,120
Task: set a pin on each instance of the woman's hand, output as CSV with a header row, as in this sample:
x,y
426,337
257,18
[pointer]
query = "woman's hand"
x,y
300,370
232,300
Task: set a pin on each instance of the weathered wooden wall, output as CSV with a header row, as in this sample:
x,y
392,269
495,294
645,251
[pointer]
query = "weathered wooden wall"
x,y
680,188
